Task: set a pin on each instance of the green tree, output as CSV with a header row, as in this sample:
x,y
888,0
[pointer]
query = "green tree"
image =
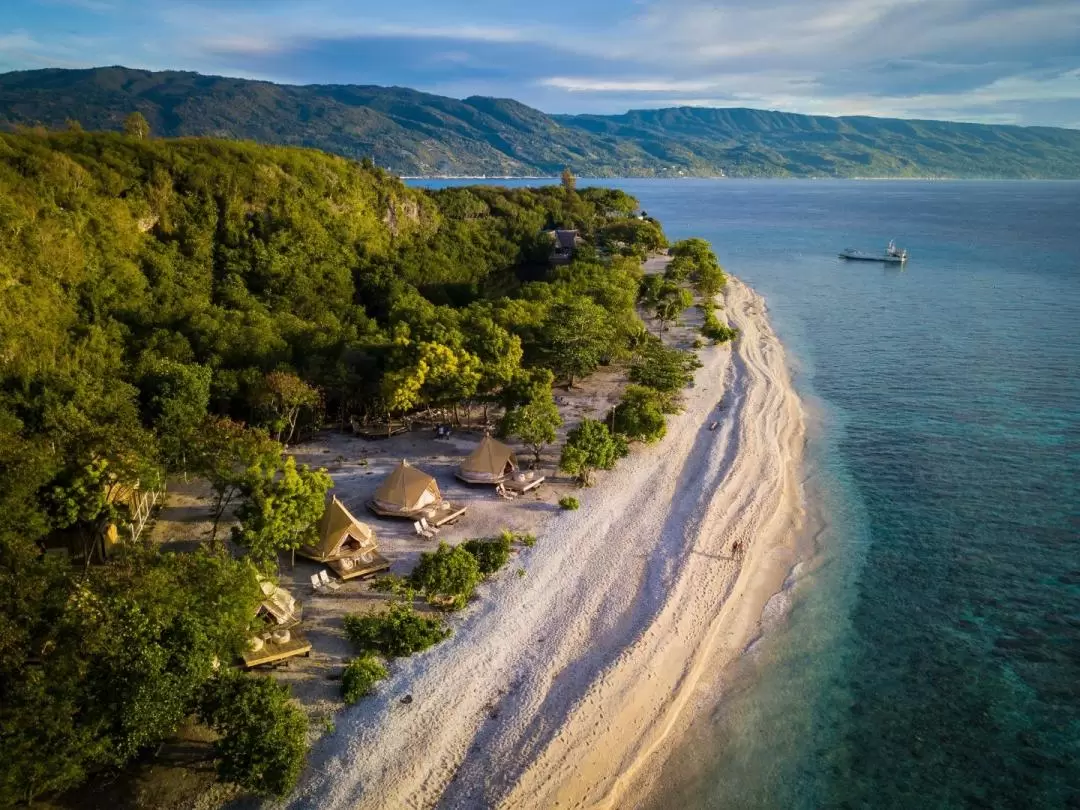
x,y
590,446
640,414
136,126
448,575
578,336
177,396
223,451
664,369
285,396
281,507
679,269
535,423
671,303
263,739
568,181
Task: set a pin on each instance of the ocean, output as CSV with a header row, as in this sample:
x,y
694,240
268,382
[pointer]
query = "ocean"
x,y
926,652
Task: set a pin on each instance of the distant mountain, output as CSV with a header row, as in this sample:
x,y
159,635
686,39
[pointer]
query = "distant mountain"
x,y
416,133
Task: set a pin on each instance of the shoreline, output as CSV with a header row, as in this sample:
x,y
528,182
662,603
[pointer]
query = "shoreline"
x,y
563,687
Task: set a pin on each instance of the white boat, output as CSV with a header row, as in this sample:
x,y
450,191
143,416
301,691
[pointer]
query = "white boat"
x,y
892,255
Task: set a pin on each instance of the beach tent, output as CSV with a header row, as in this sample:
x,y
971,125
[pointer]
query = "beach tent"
x,y
490,462
407,489
340,535
280,605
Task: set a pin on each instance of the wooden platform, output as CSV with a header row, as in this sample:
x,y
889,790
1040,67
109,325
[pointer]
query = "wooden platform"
x,y
508,481
272,653
360,568
524,486
436,516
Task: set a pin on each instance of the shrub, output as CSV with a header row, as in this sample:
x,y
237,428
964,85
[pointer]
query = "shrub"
x,y
640,415
527,540
398,631
490,555
449,574
569,502
360,676
393,584
714,330
263,732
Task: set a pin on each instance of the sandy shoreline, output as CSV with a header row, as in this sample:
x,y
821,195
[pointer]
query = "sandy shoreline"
x,y
561,687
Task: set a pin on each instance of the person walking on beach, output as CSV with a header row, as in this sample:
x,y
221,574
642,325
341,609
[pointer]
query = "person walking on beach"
x,y
736,549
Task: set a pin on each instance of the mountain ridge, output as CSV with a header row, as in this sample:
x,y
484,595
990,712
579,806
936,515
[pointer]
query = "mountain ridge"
x,y
422,134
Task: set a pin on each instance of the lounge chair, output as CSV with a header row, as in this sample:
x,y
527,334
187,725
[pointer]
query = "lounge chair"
x,y
421,531
429,530
324,578
316,583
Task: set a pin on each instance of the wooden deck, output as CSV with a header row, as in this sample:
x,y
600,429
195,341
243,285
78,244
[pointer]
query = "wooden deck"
x,y
272,653
360,568
437,516
522,487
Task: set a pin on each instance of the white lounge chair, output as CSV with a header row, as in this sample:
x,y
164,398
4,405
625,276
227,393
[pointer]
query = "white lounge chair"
x,y
428,528
316,583
324,578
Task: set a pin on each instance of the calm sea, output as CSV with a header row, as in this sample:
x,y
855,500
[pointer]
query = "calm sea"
x,y
927,653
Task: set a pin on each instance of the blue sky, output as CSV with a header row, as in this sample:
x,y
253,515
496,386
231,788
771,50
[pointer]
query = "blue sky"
x,y
974,60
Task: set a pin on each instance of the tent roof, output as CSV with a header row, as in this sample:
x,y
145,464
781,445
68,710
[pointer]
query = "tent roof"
x,y
337,525
405,485
490,457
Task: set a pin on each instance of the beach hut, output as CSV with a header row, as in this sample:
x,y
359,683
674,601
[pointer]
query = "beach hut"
x,y
411,493
491,462
340,535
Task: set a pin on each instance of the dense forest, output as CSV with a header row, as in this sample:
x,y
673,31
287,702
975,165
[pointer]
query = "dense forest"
x,y
415,133
185,307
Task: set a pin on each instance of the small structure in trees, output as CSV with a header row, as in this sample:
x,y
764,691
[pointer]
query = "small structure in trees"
x,y
566,242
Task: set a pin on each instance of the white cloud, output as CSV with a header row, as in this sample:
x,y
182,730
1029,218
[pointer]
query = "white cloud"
x,y
591,85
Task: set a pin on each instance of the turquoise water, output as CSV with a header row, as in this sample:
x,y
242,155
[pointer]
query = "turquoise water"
x,y
929,652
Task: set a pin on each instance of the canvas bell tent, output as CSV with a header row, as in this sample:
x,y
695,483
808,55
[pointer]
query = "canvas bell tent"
x,y
491,462
340,535
407,490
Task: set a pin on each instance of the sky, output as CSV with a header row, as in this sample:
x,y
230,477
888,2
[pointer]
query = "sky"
x,y
992,61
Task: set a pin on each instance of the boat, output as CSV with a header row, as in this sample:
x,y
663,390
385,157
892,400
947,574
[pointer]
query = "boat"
x,y
892,255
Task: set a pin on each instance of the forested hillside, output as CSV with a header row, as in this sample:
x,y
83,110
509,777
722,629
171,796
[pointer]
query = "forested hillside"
x,y
416,133
182,306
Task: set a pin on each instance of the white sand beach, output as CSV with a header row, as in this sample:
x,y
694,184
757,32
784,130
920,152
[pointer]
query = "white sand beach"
x,y
561,687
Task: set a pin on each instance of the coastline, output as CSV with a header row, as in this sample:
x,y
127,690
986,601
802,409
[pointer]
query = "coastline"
x,y
562,687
